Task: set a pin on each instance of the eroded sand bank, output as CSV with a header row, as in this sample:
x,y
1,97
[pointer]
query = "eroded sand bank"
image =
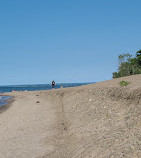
x,y
101,120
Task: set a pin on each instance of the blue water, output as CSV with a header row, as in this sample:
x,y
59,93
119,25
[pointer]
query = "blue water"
x,y
35,87
3,100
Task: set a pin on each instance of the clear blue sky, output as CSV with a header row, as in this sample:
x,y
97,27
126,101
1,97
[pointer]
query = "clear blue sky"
x,y
65,40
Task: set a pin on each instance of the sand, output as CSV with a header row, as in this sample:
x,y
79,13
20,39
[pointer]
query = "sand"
x,y
102,120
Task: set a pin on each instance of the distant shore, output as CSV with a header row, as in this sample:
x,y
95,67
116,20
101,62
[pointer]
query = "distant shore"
x,y
97,120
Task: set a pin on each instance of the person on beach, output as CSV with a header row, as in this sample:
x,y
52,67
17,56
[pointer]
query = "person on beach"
x,y
53,84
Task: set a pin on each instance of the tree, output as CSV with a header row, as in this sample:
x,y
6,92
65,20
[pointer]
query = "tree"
x,y
138,56
128,65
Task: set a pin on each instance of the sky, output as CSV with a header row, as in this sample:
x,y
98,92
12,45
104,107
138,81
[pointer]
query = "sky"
x,y
65,40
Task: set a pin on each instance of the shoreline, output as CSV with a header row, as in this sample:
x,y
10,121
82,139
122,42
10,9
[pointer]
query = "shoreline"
x,y
7,105
38,87
11,94
97,120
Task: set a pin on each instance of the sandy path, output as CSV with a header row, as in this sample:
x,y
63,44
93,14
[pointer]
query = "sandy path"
x,y
25,127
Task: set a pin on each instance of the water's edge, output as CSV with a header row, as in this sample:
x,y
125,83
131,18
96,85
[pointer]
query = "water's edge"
x,y
4,100
37,87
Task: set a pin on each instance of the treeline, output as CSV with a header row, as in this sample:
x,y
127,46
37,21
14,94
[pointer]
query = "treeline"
x,y
128,65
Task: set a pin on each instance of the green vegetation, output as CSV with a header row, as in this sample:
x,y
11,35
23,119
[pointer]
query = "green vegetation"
x,y
128,65
124,83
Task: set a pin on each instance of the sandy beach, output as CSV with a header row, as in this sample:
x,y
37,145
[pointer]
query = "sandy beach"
x,y
101,120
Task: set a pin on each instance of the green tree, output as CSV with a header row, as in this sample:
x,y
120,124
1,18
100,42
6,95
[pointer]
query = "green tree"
x,y
138,56
127,65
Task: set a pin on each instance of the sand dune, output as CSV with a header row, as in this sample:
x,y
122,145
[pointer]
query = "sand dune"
x,y
102,120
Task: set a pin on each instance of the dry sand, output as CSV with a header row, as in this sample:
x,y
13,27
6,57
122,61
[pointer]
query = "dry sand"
x,y
102,120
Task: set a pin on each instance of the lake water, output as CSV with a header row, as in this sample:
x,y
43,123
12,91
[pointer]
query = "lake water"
x,y
3,100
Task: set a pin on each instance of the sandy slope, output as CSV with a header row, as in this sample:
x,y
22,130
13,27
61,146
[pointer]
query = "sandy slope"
x,y
101,120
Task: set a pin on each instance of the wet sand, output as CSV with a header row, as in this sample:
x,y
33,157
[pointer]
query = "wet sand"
x,y
102,120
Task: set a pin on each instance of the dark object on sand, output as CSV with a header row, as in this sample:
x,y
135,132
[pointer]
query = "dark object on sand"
x,y
37,102
37,95
53,84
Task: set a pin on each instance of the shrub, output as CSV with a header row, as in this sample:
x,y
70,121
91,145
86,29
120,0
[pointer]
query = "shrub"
x,y
124,83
